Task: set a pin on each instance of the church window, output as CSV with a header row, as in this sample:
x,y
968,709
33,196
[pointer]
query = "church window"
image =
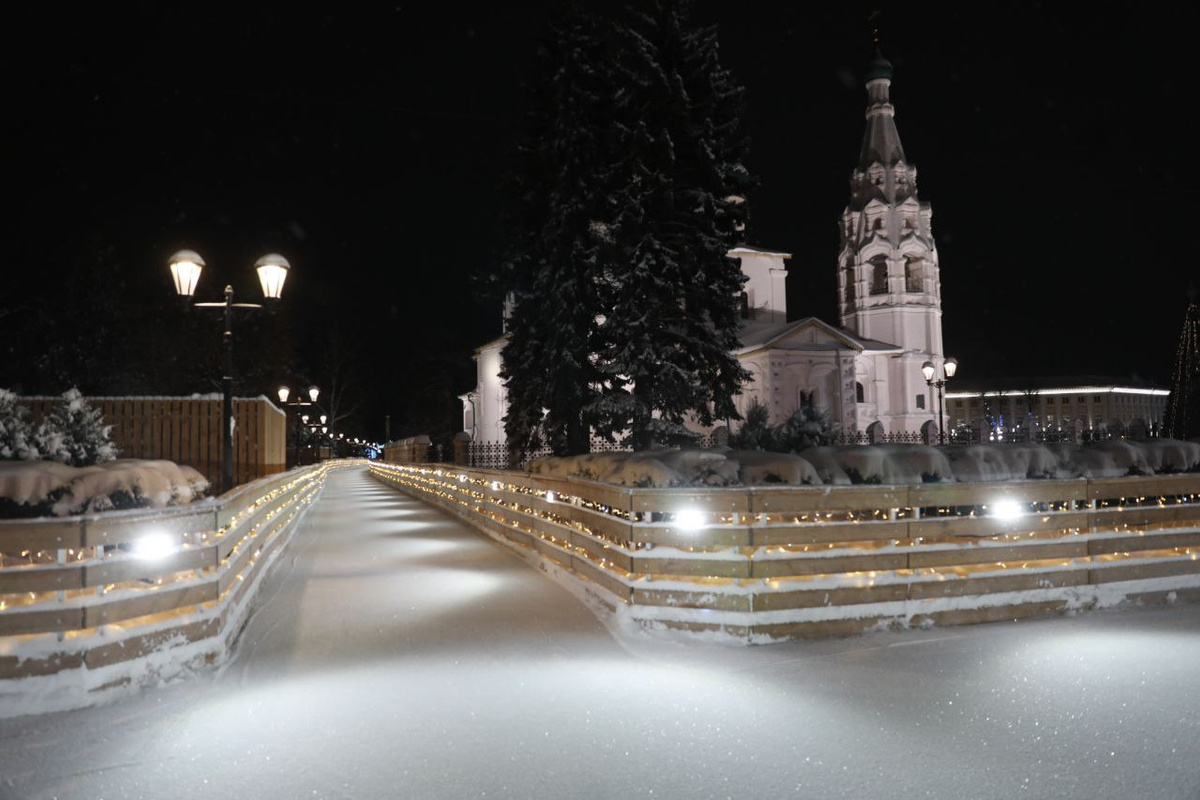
x,y
860,393
879,276
851,291
878,223
914,275
920,401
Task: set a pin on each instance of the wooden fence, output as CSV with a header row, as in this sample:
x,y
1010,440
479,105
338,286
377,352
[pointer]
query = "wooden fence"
x,y
109,599
789,562
188,430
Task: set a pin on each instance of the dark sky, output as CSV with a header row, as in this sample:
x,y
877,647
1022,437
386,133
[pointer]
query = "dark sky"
x,y
367,145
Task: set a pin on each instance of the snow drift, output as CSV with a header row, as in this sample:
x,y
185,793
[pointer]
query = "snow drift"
x,y
884,464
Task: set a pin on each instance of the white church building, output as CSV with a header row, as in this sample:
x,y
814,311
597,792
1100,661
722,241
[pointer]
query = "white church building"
x,y
867,371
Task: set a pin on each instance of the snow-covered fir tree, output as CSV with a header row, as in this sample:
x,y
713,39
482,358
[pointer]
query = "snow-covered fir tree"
x,y
756,432
1183,406
562,187
74,433
671,309
630,193
808,426
16,436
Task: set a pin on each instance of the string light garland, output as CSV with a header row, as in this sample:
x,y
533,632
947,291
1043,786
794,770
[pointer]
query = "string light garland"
x,y
683,574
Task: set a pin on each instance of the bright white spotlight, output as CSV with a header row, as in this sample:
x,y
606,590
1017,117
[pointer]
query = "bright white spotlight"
x,y
462,478
495,486
1007,509
155,546
689,519
551,497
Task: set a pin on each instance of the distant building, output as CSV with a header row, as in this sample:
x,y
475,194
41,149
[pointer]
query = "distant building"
x,y
1055,409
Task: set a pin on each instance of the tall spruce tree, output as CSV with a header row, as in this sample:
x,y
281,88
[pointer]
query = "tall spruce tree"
x,y
630,192
671,296
1183,406
562,188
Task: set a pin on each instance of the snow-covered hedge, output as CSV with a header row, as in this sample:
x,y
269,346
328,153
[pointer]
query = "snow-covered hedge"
x,y
48,488
885,464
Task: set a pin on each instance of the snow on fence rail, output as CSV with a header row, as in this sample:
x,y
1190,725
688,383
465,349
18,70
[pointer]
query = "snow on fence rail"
x,y
105,600
770,563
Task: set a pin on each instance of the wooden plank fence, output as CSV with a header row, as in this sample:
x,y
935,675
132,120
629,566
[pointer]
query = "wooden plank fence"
x,y
188,430
93,595
767,563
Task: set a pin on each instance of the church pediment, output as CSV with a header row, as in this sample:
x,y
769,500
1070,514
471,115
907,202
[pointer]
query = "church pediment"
x,y
809,334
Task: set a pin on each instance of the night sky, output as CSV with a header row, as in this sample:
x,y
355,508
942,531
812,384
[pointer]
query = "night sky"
x,y
368,147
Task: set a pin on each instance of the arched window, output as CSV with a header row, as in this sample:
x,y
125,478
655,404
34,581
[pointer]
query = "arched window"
x,y
860,394
879,275
851,290
914,275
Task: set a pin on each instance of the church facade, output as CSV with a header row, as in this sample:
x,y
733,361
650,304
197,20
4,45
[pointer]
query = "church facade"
x,y
865,371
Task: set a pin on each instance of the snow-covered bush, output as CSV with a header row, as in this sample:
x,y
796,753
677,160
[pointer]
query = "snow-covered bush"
x,y
758,468
902,464
74,433
16,437
46,488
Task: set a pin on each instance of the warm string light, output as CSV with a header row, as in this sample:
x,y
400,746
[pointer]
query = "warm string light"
x,y
185,540
526,518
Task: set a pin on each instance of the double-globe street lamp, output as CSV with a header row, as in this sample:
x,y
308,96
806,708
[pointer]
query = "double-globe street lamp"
x,y
297,401
186,266
929,369
312,428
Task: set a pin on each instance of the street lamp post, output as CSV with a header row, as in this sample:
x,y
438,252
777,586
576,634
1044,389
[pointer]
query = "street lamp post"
x,y
284,393
186,266
929,369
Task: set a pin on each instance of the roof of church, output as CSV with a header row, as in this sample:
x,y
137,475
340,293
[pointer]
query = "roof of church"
x,y
759,334
740,249
881,142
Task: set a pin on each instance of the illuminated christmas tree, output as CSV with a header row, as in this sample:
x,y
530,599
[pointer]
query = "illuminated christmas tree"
x,y
1183,407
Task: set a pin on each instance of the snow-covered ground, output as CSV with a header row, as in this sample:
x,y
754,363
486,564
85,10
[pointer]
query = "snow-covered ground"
x,y
399,653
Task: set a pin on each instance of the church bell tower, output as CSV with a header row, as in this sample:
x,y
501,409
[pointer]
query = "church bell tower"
x,y
889,288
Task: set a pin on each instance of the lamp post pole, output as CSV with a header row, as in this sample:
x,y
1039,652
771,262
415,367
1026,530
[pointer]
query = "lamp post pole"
x,y
186,266
949,368
227,414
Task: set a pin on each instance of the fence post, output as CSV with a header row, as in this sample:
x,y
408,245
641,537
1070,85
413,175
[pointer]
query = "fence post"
x,y
462,444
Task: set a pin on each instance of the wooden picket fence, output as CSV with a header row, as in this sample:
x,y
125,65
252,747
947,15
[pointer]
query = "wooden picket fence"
x,y
188,430
767,563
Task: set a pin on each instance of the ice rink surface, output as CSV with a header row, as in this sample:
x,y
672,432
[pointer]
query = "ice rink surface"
x,y
398,653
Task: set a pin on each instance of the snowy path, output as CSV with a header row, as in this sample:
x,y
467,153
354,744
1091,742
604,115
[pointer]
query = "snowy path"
x,y
355,679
